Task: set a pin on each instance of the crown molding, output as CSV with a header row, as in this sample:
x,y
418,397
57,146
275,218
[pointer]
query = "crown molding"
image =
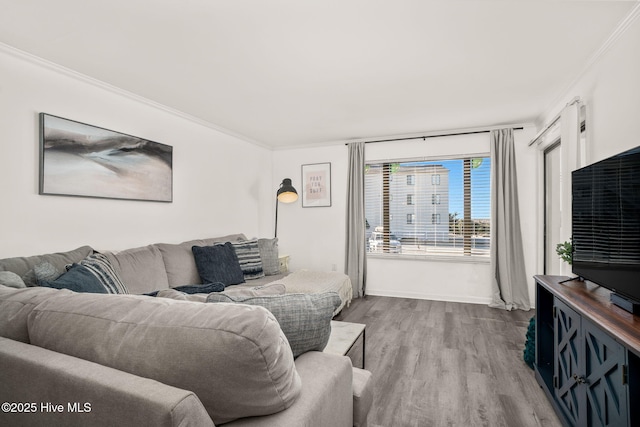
x,y
620,29
44,63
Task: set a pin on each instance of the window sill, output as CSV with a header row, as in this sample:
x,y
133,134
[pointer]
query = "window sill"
x,y
472,259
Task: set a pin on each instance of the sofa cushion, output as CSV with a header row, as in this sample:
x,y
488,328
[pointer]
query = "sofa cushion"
x,y
15,306
305,319
269,256
248,255
141,269
23,266
179,262
11,279
218,263
235,358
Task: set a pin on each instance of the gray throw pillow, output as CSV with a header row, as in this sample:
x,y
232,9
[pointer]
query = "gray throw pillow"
x,y
46,271
11,279
305,319
269,255
42,272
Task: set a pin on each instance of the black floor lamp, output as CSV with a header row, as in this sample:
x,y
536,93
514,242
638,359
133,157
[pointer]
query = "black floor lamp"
x,y
286,194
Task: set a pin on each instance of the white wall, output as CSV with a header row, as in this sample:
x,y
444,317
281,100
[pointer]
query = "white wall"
x,y
610,89
219,180
314,237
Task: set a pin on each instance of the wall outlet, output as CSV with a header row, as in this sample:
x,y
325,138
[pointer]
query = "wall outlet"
x,y
334,267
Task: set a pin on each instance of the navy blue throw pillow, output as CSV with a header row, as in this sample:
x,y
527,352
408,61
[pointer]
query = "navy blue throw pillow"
x,y
218,263
78,279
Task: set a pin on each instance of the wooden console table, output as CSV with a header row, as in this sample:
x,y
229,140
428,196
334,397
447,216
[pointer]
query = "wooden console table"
x,y
587,354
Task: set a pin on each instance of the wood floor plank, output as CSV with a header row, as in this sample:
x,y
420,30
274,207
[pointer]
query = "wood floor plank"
x,y
440,363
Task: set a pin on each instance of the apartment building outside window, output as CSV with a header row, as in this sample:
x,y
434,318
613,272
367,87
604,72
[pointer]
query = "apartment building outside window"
x,y
446,209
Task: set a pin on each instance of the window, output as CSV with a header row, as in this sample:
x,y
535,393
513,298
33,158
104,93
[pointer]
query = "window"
x,y
452,219
411,180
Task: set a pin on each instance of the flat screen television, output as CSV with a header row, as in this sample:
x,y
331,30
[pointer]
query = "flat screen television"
x,y
606,223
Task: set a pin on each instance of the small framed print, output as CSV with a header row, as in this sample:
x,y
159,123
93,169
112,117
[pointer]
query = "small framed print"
x,y
316,185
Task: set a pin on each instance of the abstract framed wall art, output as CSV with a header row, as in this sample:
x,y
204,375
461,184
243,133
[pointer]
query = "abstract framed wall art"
x,y
316,185
77,159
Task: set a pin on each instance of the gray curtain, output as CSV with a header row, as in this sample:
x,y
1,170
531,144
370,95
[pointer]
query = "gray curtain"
x,y
509,280
355,258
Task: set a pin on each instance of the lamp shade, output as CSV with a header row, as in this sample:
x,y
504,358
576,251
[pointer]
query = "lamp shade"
x,y
286,192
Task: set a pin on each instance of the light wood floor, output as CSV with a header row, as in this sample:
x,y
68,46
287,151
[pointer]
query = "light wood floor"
x,y
448,364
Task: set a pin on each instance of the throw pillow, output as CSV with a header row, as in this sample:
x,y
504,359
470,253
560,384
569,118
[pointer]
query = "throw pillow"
x,y
93,274
218,263
269,255
248,255
78,279
305,319
100,266
11,279
46,271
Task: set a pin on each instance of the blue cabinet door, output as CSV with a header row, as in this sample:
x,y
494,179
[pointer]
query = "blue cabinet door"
x,y
567,370
605,379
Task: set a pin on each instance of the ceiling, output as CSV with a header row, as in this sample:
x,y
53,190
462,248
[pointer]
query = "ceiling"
x,y
286,73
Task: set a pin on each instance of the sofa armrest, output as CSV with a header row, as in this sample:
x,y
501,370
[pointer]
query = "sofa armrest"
x,y
32,374
326,398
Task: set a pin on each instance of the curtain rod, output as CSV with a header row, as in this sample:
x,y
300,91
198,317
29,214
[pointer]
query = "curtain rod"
x,y
552,122
434,136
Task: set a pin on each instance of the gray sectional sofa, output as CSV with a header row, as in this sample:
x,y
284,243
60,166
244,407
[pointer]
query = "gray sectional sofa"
x,y
82,359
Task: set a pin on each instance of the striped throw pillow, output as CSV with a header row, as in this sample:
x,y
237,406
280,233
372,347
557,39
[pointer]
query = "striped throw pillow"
x,y
248,253
99,265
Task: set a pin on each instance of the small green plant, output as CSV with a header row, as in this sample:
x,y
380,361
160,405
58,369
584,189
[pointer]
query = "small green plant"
x,y
565,251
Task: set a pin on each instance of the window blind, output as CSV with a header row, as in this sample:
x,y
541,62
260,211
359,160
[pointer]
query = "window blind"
x,y
429,207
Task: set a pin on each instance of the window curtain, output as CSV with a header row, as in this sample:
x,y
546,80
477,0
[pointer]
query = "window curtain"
x,y
355,257
509,283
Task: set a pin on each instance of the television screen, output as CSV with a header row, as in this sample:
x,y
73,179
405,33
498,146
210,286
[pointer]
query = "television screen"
x,y
606,223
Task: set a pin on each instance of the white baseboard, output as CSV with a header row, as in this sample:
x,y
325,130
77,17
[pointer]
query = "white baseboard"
x,y
433,297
